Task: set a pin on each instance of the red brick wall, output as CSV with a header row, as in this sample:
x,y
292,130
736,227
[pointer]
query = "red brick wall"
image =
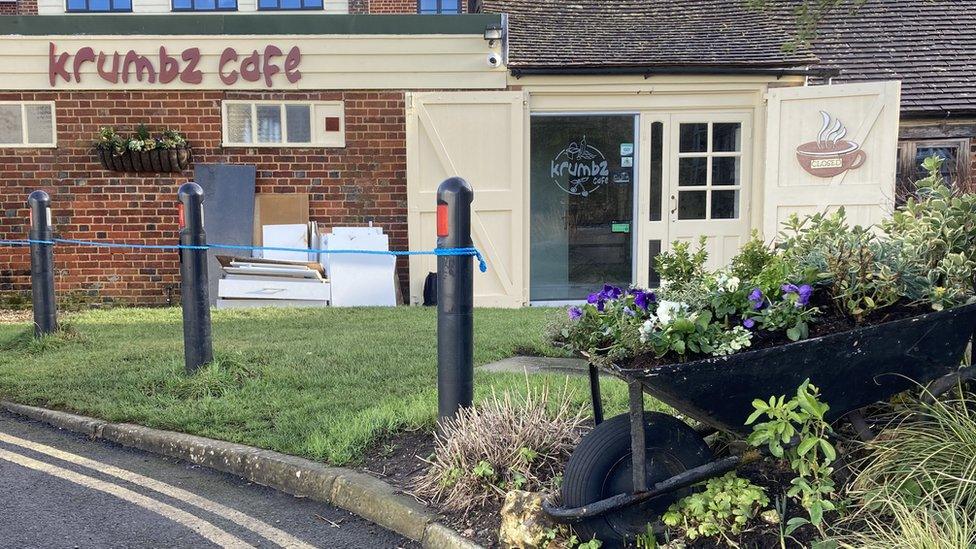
x,y
20,7
365,181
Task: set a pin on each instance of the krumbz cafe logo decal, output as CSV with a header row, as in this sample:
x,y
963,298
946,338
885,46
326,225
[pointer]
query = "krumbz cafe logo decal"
x,y
580,169
830,154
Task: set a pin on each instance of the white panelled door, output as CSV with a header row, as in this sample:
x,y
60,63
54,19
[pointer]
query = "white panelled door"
x,y
710,181
479,136
829,147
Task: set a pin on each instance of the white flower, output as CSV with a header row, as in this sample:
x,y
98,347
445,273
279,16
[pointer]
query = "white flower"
x,y
647,328
727,283
666,310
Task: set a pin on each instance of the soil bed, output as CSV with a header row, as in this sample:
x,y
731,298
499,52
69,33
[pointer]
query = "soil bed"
x,y
399,460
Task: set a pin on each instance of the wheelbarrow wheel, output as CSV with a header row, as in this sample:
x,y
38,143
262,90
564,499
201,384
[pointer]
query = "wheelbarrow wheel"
x,y
600,468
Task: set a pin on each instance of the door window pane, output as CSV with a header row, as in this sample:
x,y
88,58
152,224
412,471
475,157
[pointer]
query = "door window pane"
x,y
693,138
269,123
691,204
693,172
725,170
726,137
40,123
655,193
653,277
299,123
725,204
11,124
581,204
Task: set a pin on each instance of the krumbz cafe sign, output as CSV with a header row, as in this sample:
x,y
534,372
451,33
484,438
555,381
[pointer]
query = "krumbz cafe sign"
x,y
271,64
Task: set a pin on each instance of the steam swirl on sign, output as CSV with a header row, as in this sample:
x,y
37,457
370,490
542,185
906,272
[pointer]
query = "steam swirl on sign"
x,y
830,134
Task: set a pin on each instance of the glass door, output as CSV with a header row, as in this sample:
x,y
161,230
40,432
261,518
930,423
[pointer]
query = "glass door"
x,y
582,196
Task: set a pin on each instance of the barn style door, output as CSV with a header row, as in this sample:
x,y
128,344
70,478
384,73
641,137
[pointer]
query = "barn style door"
x,y
479,136
829,147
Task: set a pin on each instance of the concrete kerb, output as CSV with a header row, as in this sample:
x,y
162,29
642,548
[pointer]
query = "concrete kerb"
x,y
364,495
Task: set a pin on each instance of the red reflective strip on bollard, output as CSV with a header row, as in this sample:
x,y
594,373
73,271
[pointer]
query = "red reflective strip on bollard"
x,y
182,216
442,225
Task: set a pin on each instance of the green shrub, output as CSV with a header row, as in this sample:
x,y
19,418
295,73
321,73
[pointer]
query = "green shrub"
x,y
681,268
726,505
812,455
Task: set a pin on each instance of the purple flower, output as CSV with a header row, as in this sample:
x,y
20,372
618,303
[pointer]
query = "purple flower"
x,y
594,298
790,289
804,294
611,292
749,323
756,298
575,313
642,299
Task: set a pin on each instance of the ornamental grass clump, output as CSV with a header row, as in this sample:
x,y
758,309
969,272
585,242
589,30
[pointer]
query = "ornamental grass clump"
x,y
511,442
916,484
822,273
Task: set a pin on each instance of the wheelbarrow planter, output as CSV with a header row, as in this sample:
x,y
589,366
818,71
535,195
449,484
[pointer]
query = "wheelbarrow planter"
x,y
612,492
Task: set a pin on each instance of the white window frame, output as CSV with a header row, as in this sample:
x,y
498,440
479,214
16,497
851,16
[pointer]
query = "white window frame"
x,y
314,106
23,117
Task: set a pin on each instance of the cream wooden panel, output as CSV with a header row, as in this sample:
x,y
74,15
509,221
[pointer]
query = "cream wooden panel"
x,y
870,113
479,136
57,7
328,62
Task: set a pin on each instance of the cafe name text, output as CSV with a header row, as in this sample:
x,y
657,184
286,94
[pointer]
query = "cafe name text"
x,y
166,67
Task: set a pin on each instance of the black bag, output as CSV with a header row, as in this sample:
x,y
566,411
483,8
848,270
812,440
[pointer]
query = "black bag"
x,y
430,290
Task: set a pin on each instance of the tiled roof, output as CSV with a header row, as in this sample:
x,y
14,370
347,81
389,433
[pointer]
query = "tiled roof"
x,y
644,33
930,45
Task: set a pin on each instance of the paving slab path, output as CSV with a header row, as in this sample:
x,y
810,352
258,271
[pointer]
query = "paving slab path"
x,y
60,489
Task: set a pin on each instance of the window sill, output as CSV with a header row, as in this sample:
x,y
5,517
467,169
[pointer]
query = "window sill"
x,y
281,146
28,146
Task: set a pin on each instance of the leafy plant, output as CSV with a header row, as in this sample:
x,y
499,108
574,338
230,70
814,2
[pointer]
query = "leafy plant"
x,y
796,430
110,140
791,312
646,539
753,257
726,505
680,267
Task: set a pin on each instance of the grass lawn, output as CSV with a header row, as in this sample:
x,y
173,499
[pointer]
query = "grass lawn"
x,y
319,383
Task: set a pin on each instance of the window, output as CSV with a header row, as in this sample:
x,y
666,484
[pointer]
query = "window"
x,y
99,5
204,5
27,124
430,7
283,124
281,5
955,169
709,170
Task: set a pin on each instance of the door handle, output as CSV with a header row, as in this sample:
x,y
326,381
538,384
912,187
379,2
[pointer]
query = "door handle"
x,y
674,205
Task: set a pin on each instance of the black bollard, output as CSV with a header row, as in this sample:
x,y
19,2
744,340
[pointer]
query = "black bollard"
x,y
194,295
42,264
455,299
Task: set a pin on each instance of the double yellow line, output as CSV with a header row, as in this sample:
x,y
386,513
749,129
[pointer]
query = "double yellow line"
x,y
202,527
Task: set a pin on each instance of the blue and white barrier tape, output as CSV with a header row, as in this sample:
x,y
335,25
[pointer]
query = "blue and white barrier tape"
x,y
447,252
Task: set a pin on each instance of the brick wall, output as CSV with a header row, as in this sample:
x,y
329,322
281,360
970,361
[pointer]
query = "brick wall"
x,y
20,7
365,181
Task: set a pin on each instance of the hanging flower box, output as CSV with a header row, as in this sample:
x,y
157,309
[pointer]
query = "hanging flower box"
x,y
142,153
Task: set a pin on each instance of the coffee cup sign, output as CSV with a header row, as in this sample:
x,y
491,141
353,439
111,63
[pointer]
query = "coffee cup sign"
x,y
830,154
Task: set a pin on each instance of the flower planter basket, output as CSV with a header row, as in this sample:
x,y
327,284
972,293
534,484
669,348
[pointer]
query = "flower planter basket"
x,y
154,161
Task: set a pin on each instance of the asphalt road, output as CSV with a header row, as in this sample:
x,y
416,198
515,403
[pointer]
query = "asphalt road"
x,y
59,489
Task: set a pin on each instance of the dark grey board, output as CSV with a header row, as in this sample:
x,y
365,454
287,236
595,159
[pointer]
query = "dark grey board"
x,y
228,211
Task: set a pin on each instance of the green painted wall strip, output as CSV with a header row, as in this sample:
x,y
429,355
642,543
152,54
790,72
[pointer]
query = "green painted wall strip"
x,y
244,24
